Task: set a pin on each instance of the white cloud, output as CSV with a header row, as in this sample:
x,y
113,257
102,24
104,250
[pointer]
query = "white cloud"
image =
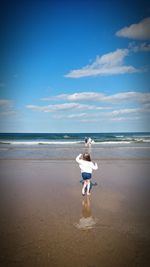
x,y
88,120
64,107
114,119
5,103
119,119
79,115
6,107
132,96
123,106
143,47
129,111
124,111
8,113
139,31
112,58
124,118
71,116
108,64
59,107
114,115
75,96
78,96
99,97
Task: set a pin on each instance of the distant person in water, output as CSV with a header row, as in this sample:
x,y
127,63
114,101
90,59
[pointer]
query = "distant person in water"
x,y
90,142
85,141
86,166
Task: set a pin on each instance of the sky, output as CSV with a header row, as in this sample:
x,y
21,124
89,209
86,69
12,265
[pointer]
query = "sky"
x,y
74,66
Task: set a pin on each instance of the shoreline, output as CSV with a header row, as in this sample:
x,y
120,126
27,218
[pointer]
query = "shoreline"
x,y
70,152
73,160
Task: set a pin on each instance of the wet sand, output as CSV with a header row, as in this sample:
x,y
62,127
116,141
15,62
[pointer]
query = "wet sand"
x,y
45,221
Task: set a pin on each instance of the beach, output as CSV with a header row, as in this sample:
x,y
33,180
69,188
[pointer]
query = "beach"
x,y
45,221
75,133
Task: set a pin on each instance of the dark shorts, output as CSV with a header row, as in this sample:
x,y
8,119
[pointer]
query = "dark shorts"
x,y
86,175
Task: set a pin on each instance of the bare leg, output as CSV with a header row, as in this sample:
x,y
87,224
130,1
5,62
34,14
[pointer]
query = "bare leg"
x,y
83,188
88,187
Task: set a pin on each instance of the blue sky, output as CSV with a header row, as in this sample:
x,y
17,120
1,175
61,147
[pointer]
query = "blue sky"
x,y
75,66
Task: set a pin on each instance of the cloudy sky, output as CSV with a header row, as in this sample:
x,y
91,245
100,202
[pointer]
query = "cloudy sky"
x,y
75,66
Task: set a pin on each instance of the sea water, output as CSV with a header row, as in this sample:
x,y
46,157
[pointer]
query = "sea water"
x,y
68,145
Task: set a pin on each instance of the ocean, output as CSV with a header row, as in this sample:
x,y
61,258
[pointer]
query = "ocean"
x,y
67,145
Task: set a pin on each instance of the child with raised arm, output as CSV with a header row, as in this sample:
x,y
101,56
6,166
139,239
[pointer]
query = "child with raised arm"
x,y
86,166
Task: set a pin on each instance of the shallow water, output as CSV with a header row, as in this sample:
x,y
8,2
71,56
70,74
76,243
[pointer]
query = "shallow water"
x,y
68,151
68,145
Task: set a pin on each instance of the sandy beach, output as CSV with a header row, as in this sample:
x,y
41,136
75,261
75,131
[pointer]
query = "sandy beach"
x,y
45,221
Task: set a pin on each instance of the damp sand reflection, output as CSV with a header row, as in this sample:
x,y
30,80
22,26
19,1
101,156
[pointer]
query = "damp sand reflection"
x,y
87,221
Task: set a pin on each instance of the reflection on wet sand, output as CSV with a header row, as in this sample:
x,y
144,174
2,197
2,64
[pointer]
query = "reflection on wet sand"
x,y
86,221
88,150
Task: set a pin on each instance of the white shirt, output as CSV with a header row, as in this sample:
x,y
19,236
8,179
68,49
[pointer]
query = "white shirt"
x,y
86,166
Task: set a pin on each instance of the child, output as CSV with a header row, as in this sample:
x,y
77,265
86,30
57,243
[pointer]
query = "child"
x,y
86,166
89,142
85,141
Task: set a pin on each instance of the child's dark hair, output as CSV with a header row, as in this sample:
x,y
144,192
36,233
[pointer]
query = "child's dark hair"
x,y
86,157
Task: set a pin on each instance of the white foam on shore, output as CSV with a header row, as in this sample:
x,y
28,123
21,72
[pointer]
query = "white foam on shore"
x,y
60,142
41,143
74,142
115,142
